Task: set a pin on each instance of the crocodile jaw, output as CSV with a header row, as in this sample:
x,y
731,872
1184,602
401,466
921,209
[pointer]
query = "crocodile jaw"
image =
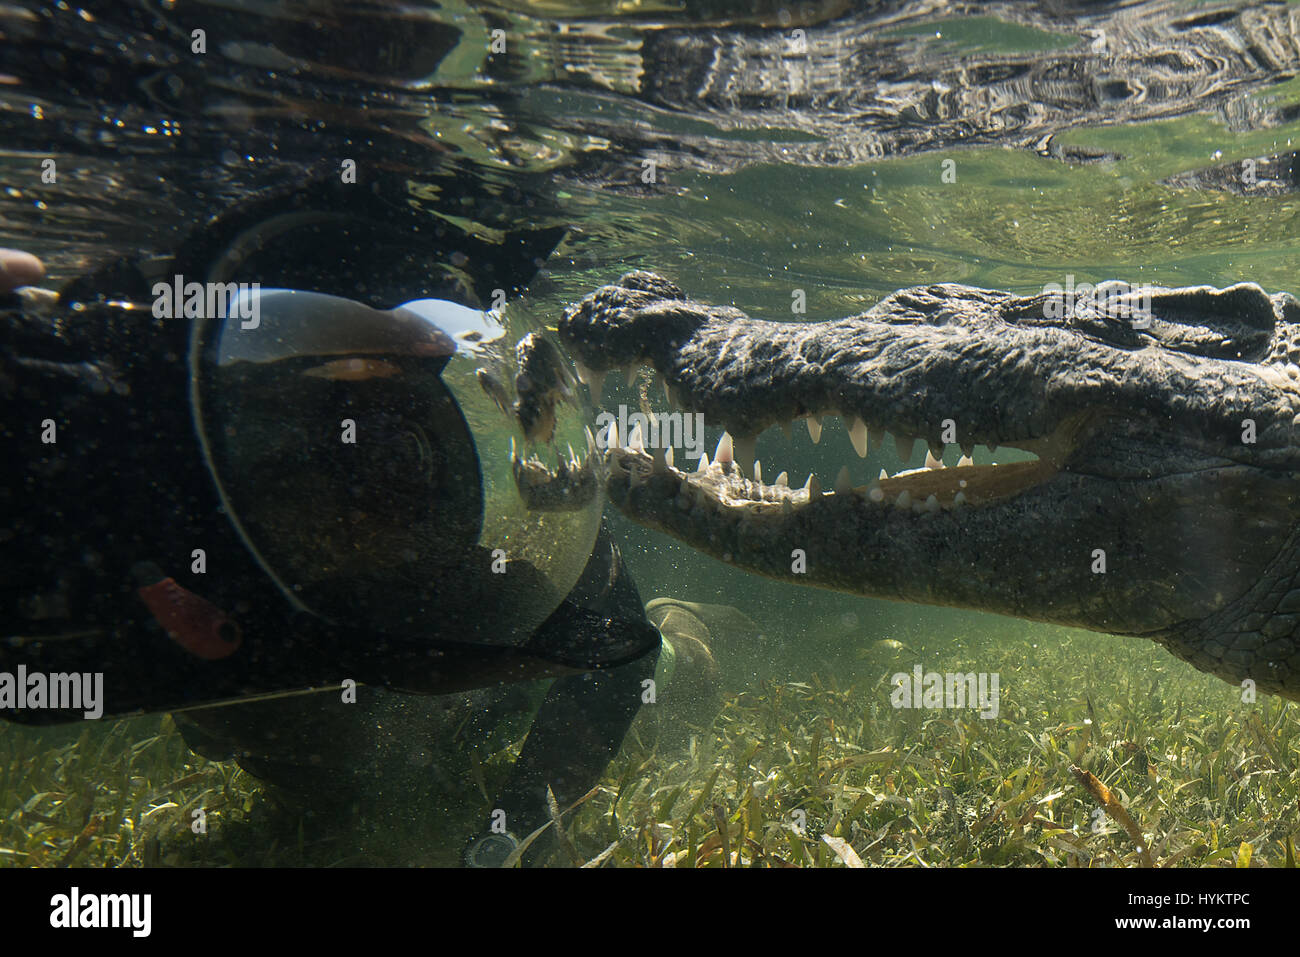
x,y
1144,513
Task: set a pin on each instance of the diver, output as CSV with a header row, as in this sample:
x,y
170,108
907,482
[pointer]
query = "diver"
x,y
294,464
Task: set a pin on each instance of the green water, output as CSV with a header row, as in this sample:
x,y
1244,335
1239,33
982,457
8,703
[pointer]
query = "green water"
x,y
809,691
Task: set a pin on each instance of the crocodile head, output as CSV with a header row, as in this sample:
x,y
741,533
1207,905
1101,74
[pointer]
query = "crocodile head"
x,y
1158,498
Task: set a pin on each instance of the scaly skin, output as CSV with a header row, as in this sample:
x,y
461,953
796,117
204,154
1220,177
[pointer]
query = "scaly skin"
x,y
1142,431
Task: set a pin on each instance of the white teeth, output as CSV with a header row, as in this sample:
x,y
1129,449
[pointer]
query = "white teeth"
x,y
789,432
964,461
660,460
513,455
931,462
883,475
595,381
932,504
904,448
758,472
959,498
743,449
783,480
704,462
877,494
814,428
636,442
668,456
611,439
723,453
813,487
843,485
904,499
858,436
631,375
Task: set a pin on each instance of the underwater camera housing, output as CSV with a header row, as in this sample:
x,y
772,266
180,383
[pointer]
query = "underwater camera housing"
x,y
368,460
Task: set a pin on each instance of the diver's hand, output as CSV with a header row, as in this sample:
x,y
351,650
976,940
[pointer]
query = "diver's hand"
x,y
18,269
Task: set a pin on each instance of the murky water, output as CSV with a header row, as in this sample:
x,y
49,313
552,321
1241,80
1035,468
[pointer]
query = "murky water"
x,y
813,151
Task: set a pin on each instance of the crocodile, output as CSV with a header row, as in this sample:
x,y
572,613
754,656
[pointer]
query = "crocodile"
x,y
1159,437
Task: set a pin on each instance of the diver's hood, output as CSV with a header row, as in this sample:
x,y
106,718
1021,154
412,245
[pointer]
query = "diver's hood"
x,y
402,496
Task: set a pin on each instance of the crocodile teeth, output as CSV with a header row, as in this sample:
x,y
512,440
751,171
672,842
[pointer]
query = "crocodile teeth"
x,y
843,485
814,428
813,486
931,503
783,480
964,461
704,462
743,450
877,494
931,462
636,441
593,380
611,437
724,453
904,499
668,456
883,475
758,473
858,436
959,498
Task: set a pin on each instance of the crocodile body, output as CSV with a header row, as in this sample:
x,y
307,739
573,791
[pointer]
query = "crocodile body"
x,y
1161,503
